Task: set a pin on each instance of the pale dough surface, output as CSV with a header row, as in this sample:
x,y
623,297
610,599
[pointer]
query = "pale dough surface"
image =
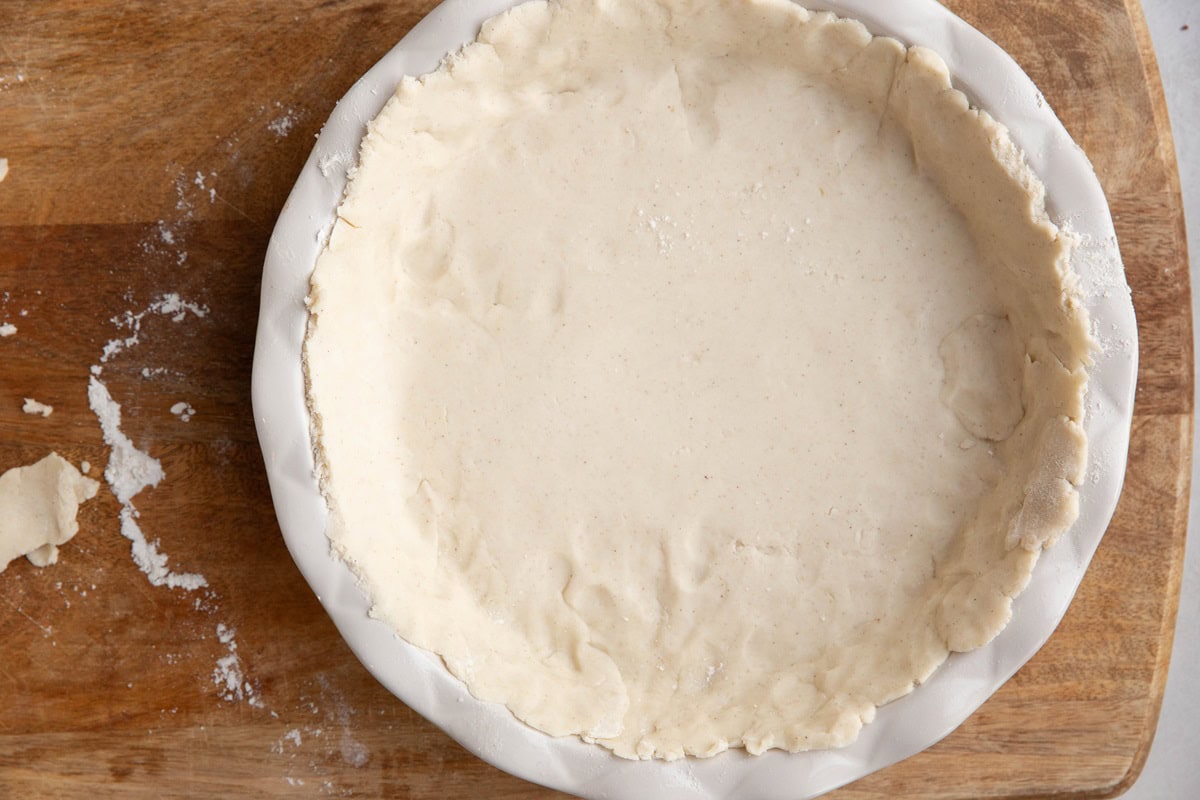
x,y
38,504
691,375
32,406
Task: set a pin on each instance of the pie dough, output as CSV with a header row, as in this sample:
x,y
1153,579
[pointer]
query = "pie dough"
x,y
38,504
693,375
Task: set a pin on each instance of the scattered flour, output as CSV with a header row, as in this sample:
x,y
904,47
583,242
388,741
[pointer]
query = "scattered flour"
x,y
169,305
282,125
169,236
182,202
310,749
183,410
334,163
151,560
201,182
129,469
228,676
353,752
293,736
175,307
34,407
662,228
7,329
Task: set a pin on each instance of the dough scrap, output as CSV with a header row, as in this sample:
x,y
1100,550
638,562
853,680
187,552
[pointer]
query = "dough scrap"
x,y
34,407
627,358
38,504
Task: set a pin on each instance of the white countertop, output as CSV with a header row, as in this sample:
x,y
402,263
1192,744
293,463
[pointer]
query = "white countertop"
x,y
1172,771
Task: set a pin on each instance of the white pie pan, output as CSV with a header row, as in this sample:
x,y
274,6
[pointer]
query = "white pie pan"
x,y
993,81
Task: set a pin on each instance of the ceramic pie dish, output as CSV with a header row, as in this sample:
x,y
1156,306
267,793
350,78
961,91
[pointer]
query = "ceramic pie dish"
x,y
903,727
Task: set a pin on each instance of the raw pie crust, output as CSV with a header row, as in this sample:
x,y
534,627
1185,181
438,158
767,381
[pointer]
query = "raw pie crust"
x,y
692,375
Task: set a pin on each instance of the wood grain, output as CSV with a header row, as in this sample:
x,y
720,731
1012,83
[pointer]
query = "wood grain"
x,y
151,147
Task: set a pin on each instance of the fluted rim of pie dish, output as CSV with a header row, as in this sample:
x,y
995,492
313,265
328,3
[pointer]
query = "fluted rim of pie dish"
x,y
1074,198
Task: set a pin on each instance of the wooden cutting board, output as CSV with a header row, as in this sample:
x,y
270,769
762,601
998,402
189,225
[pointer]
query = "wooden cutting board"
x,y
151,146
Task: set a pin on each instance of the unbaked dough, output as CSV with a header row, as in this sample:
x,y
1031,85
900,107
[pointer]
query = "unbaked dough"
x,y
38,505
32,406
691,375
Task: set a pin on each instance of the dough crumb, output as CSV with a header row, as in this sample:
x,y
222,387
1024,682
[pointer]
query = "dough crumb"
x,y
183,410
7,329
3,168
38,504
34,407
